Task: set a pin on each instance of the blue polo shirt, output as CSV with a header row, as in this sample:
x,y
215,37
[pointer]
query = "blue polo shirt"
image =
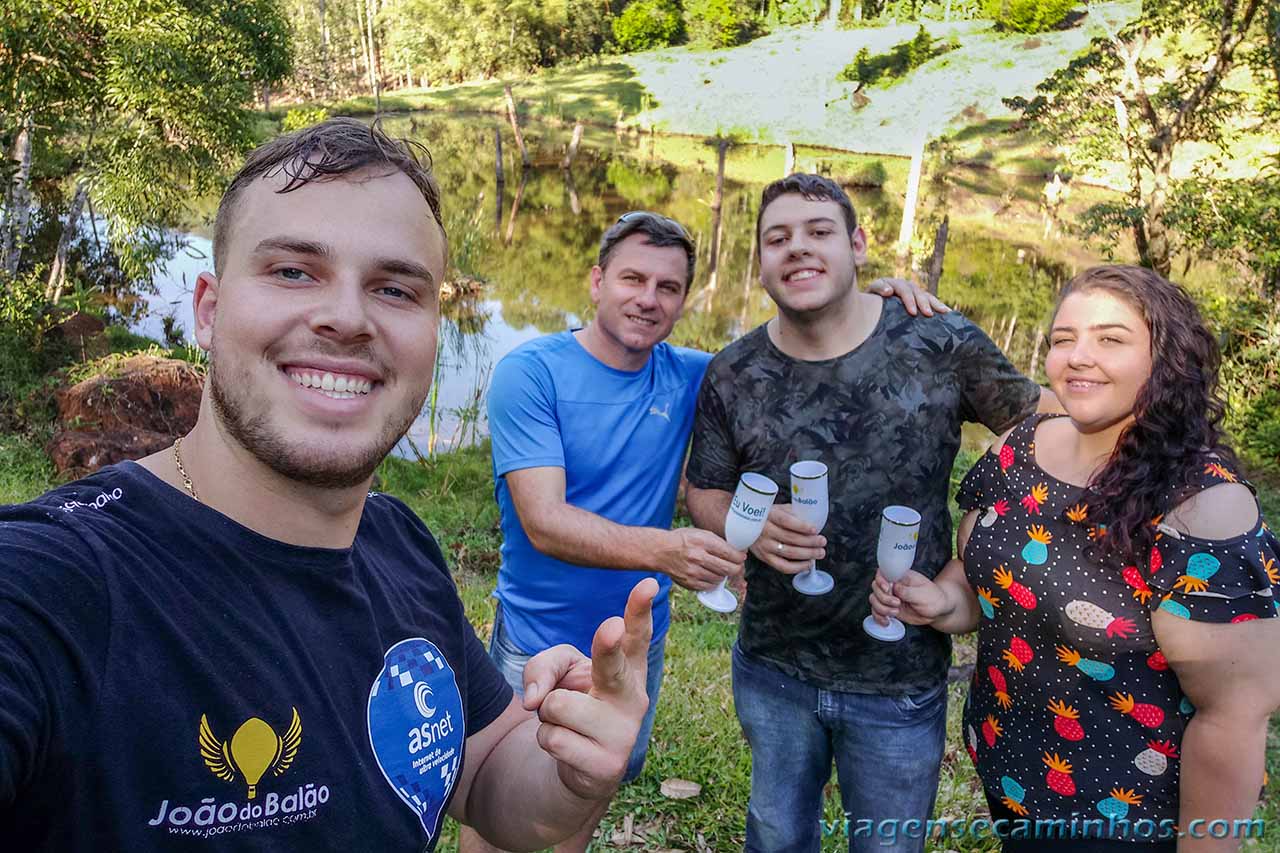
x,y
620,437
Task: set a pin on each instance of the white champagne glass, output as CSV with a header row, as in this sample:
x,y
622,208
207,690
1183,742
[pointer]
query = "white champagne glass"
x,y
896,552
742,526
810,502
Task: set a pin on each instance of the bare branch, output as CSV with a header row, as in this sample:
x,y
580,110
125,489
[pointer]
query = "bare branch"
x,y
1229,38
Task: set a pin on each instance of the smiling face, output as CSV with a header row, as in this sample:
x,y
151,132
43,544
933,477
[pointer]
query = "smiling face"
x,y
322,327
808,259
1099,358
638,296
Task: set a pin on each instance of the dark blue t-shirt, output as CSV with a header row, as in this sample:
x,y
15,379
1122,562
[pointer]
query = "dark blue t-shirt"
x,y
170,679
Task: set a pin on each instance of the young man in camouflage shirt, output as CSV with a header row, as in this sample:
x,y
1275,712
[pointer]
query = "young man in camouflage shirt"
x,y
879,397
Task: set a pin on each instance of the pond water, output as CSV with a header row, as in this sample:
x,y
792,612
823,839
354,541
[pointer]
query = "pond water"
x,y
526,247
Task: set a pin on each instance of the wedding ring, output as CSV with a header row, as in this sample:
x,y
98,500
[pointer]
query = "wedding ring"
x,y
780,547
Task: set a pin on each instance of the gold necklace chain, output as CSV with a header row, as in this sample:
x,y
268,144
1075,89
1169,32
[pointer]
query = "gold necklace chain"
x,y
186,478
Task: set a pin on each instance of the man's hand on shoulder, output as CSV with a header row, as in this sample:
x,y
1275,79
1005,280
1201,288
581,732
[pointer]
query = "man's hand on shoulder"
x,y
914,297
698,559
590,710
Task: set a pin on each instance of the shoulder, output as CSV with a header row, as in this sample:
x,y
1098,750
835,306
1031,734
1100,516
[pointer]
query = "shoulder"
x,y
390,522
530,366
541,351
749,347
1221,511
690,362
942,334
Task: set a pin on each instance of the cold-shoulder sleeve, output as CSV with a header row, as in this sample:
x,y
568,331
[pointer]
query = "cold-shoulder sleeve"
x,y
985,485
1229,580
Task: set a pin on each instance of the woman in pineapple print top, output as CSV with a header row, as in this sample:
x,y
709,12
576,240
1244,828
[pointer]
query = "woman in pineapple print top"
x,y
1124,588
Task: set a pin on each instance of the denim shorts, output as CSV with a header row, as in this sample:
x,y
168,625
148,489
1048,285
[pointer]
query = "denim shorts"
x,y
510,661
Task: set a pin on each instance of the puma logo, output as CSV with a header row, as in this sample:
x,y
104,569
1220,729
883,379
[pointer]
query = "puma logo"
x,y
662,413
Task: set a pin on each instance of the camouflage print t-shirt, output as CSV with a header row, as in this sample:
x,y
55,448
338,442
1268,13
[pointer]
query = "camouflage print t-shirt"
x,y
885,418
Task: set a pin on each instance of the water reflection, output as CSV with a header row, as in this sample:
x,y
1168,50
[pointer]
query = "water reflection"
x,y
525,239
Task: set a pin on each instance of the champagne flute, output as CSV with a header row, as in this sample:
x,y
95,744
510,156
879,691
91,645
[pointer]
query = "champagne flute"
x,y
742,526
810,502
899,532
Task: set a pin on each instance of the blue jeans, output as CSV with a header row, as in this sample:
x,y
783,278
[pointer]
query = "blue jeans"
x,y
511,660
887,750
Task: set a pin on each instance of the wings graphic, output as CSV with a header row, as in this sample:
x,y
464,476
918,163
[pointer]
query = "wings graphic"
x,y
289,745
215,754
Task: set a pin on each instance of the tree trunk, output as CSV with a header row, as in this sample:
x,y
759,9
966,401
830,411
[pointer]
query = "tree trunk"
x,y
574,142
833,14
939,252
326,77
515,209
575,204
909,206
789,164
375,78
717,205
515,125
1035,352
1159,252
58,272
501,179
17,209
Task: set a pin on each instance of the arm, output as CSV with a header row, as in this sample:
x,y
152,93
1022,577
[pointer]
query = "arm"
x,y
695,559
993,391
914,297
1234,690
532,781
947,603
528,452
1232,684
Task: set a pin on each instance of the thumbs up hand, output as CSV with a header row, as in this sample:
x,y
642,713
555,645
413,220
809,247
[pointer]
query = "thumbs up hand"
x,y
591,709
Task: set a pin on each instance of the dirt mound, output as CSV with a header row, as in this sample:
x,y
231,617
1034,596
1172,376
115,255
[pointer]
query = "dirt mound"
x,y
133,408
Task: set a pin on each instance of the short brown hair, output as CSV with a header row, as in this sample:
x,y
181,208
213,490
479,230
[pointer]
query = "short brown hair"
x,y
326,152
811,188
658,230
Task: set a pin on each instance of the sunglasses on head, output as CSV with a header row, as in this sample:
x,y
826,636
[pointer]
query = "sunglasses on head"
x,y
642,215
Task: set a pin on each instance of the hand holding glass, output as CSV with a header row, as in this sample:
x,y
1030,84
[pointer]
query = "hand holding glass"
x,y
895,554
810,503
742,525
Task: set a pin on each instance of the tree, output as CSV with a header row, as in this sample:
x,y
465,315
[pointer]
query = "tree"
x,y
1140,94
134,105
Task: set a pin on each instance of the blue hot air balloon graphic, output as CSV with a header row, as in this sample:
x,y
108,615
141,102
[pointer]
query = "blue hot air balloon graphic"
x,y
416,728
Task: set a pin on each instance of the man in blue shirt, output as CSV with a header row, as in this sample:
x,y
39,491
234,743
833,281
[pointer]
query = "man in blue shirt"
x,y
589,429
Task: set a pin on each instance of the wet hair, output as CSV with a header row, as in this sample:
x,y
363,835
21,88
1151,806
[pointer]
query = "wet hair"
x,y
812,188
659,230
1177,414
327,151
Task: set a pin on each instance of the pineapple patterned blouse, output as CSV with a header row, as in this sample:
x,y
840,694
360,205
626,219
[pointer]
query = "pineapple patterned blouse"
x,y
1073,711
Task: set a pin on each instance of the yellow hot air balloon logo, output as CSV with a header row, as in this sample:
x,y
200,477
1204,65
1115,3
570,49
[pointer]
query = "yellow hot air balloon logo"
x,y
254,749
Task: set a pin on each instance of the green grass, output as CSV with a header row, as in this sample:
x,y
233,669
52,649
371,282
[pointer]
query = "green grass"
x,y
696,735
597,94
25,472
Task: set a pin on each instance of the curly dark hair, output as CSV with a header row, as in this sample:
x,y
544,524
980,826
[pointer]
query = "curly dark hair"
x,y
1177,414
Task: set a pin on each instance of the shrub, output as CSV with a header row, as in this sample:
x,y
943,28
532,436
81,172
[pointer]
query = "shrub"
x,y
297,119
720,23
788,13
901,58
1028,16
647,24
